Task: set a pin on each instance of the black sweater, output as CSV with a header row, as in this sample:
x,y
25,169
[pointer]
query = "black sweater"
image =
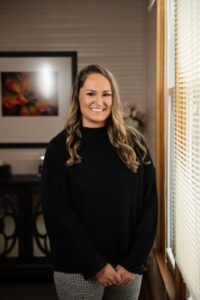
x,y
97,211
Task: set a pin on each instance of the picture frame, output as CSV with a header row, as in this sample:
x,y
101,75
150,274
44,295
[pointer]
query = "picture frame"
x,y
35,92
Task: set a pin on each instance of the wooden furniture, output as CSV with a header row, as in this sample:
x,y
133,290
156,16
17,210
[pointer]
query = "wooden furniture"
x,y
24,245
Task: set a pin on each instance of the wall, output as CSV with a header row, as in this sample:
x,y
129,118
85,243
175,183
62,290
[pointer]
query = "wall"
x,y
108,32
150,80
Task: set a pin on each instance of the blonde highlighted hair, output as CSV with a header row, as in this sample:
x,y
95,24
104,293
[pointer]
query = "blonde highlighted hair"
x,y
123,137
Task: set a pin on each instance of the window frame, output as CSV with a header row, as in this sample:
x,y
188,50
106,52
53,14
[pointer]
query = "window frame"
x,y
170,274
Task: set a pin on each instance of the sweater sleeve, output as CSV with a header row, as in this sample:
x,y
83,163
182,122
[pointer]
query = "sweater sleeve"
x,y
145,233
63,225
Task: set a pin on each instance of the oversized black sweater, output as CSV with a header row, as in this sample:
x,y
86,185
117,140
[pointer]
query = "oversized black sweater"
x,y
97,211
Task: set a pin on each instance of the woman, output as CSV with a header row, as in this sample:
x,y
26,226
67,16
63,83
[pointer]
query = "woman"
x,y
99,196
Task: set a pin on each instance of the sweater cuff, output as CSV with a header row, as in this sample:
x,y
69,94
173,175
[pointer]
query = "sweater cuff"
x,y
137,269
93,269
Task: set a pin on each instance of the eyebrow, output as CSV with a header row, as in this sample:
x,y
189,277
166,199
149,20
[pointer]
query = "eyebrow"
x,y
95,91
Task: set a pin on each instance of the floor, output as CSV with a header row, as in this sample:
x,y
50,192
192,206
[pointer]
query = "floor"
x,y
42,290
27,290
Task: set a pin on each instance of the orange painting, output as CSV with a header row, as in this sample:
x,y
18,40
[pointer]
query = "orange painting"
x,y
29,94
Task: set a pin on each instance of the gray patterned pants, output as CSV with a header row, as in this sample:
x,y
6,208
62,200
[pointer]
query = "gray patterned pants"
x,y
71,286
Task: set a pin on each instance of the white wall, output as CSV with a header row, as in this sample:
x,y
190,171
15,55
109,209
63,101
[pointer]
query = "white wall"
x,y
108,32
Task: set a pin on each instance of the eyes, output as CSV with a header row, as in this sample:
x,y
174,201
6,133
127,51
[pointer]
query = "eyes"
x,y
91,94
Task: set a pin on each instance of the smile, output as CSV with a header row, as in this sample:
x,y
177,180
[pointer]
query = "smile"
x,y
97,109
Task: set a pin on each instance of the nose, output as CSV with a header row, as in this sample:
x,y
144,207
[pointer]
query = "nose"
x,y
98,100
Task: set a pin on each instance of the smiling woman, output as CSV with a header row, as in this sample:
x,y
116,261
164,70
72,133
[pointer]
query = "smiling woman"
x,y
98,195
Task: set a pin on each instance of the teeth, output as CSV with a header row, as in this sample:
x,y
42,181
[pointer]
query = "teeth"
x,y
96,109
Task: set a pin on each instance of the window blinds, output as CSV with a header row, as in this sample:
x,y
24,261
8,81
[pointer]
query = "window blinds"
x,y
185,182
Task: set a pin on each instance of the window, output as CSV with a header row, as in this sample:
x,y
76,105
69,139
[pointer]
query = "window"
x,y
183,137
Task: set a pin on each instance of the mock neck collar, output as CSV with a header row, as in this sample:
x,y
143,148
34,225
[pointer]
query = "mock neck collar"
x,y
93,131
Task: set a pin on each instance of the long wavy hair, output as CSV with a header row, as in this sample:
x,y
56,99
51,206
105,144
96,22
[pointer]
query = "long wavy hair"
x,y
123,137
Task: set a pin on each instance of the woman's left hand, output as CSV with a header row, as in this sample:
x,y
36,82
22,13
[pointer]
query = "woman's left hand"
x,y
126,276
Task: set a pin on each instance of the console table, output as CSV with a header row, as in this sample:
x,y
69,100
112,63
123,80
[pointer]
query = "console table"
x,y
24,244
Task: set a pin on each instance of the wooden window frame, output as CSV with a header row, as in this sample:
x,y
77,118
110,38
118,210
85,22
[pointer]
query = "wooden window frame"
x,y
172,280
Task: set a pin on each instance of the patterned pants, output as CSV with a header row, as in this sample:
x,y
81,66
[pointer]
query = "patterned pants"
x,y
70,286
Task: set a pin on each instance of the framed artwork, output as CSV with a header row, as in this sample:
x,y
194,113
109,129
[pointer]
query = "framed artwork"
x,y
35,92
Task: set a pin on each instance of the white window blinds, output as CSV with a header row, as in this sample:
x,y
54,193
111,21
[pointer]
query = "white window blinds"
x,y
185,143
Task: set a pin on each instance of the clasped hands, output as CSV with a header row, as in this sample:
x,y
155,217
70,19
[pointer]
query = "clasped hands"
x,y
109,275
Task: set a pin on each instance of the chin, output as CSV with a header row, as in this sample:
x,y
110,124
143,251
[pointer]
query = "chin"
x,y
99,121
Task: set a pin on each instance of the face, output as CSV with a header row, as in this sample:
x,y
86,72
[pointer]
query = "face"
x,y
95,99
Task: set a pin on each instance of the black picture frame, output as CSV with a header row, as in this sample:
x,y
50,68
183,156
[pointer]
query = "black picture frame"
x,y
35,135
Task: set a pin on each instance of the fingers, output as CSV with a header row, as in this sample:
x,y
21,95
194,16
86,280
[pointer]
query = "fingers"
x,y
117,276
117,279
118,284
107,284
114,276
125,280
126,276
117,267
112,281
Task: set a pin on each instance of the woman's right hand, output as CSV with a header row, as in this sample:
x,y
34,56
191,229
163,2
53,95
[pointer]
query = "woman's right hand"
x,y
108,275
